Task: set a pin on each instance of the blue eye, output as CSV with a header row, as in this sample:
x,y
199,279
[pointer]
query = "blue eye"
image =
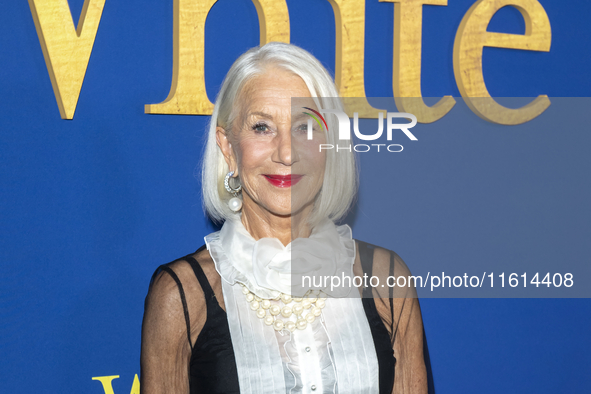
x,y
302,128
260,128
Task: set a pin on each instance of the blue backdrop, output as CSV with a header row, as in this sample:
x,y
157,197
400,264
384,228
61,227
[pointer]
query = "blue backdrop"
x,y
90,207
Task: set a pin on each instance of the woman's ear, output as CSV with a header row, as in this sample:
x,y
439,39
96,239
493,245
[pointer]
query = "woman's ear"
x,y
223,141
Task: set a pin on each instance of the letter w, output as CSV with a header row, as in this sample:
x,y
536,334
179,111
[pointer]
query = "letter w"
x,y
107,382
66,48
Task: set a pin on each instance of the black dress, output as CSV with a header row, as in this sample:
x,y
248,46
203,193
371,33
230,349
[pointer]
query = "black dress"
x,y
213,366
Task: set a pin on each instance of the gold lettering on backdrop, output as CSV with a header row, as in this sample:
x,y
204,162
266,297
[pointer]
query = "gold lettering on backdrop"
x,y
188,95
470,40
66,49
406,70
135,387
187,91
107,382
273,20
350,55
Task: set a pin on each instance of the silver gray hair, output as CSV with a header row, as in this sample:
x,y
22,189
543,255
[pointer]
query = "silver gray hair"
x,y
340,177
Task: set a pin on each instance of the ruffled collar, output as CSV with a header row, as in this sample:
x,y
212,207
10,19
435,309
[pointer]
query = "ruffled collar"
x,y
267,268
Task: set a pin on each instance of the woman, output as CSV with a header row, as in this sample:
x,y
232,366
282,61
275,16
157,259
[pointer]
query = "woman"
x,y
231,317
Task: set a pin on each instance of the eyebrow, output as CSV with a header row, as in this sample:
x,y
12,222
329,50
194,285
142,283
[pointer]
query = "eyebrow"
x,y
299,116
263,114
267,116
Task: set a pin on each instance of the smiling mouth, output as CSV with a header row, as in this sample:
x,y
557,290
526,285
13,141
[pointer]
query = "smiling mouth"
x,y
283,180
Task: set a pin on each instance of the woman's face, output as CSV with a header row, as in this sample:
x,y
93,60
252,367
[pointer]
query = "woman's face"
x,y
280,169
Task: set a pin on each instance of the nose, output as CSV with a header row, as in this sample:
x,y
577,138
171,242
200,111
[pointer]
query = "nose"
x,y
284,152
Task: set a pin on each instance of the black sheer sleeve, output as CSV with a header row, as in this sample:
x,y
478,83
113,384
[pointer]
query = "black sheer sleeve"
x,y
169,330
400,312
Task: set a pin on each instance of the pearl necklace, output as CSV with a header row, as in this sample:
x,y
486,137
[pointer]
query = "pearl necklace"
x,y
269,311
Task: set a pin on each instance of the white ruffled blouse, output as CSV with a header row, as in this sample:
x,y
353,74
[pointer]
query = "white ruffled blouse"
x,y
335,353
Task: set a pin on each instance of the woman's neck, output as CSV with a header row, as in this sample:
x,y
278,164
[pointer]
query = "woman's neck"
x,y
261,223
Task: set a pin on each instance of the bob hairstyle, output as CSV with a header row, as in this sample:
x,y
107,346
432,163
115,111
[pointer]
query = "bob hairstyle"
x,y
340,177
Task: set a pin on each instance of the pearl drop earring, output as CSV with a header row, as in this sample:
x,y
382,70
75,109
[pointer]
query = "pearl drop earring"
x,y
235,203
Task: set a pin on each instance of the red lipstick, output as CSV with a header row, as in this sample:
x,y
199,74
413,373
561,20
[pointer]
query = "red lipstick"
x,y
283,180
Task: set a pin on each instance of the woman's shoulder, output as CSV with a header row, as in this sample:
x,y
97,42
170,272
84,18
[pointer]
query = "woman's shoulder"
x,y
385,266
380,260
178,289
180,279
184,268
